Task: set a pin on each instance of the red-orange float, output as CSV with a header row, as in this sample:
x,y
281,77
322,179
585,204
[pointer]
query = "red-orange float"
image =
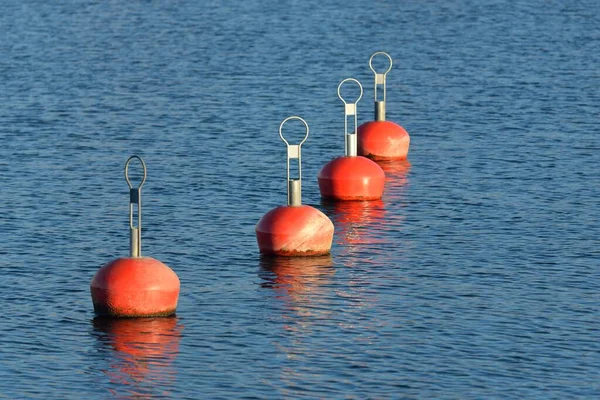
x,y
135,287
383,140
351,178
294,231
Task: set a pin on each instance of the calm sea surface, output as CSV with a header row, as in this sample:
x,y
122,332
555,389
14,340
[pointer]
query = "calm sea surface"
x,y
476,276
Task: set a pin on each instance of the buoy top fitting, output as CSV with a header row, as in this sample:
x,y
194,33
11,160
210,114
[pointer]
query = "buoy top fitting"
x,y
294,151
135,198
350,111
380,80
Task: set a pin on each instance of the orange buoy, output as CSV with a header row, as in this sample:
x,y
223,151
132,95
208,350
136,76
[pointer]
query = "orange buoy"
x,y
381,139
295,229
351,177
135,286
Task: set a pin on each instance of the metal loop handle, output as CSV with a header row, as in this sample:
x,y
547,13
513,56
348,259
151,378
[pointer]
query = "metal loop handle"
x,y
286,120
135,197
340,87
382,53
294,186
350,142
127,171
380,79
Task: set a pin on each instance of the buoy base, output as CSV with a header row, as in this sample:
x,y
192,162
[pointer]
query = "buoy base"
x,y
106,307
351,178
383,140
135,287
294,232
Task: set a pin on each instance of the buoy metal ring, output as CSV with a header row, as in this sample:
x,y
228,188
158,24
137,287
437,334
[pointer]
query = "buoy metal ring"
x,y
286,120
135,198
340,95
127,171
371,63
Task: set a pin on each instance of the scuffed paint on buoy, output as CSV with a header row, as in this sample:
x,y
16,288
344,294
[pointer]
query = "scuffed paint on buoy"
x,y
294,231
383,140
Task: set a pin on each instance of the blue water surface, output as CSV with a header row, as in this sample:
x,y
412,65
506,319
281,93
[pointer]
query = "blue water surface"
x,y
476,276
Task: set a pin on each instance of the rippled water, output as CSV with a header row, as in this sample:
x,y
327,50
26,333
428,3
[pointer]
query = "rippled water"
x,y
476,276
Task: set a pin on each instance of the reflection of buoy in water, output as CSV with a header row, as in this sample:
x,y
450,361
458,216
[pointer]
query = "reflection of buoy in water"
x,y
351,177
295,229
356,222
145,348
142,337
135,286
381,139
396,172
296,274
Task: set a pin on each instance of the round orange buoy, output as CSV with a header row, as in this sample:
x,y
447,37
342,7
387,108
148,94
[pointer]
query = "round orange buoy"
x,y
351,178
295,229
381,139
135,286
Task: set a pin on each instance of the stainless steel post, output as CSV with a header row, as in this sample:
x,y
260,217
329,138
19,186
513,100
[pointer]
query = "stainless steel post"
x,y
294,151
379,110
350,138
135,198
380,79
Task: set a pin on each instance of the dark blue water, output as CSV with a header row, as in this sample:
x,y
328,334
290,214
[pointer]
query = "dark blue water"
x,y
476,276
